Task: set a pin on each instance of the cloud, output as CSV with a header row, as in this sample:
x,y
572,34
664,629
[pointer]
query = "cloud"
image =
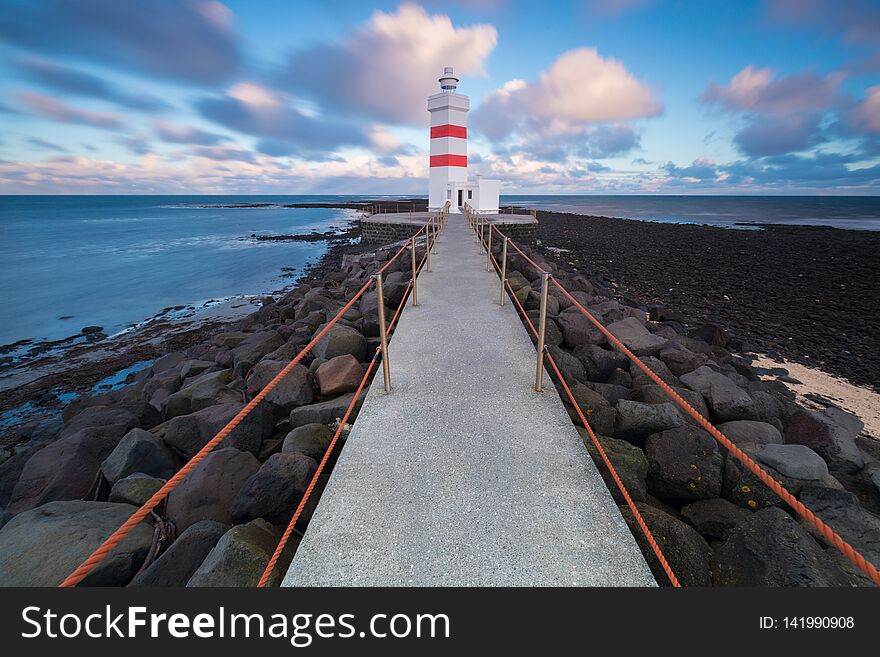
x,y
757,90
255,110
185,40
55,110
222,153
579,87
864,117
63,78
857,20
47,145
775,135
387,67
137,145
182,134
614,8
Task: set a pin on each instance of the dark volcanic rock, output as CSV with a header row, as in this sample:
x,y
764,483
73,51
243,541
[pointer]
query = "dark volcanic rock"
x,y
309,439
833,441
842,511
636,421
135,489
684,465
176,565
341,340
771,549
339,375
188,433
685,550
326,412
713,518
725,399
274,491
295,389
41,547
239,557
139,451
628,460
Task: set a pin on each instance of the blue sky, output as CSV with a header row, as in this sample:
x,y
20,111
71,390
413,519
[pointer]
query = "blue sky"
x,y
587,96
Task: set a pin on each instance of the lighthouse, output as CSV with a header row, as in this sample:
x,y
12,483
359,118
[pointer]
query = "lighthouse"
x,y
448,172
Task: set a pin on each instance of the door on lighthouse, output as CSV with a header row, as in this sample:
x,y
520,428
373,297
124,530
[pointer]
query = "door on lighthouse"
x,y
460,199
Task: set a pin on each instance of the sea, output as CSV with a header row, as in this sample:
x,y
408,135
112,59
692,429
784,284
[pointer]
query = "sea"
x,y
67,262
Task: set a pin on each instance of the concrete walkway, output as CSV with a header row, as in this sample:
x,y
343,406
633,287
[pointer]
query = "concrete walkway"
x,y
463,475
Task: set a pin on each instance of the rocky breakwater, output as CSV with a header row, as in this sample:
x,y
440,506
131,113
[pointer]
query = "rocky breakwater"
x,y
64,488
716,523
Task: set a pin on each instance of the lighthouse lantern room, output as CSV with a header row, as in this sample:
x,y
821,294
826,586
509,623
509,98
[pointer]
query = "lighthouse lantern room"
x,y
448,178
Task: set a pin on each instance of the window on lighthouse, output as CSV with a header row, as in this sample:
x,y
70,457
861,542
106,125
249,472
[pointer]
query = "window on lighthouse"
x,y
470,194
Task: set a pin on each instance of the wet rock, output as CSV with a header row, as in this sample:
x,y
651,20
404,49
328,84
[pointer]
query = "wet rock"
x,y
796,461
750,433
42,546
326,412
176,565
769,548
135,489
139,451
239,557
628,460
686,551
833,441
684,465
188,433
636,421
295,389
725,399
578,330
207,492
713,517
339,341
309,439
339,375
636,337
841,510
275,490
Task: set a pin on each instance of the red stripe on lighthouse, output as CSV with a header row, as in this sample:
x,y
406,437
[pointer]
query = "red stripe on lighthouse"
x,y
449,160
448,130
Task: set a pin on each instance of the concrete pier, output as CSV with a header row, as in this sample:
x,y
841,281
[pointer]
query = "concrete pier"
x,y
384,227
463,475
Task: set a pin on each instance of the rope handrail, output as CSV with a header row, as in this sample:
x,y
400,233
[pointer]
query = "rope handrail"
x,y
649,536
100,553
801,509
267,572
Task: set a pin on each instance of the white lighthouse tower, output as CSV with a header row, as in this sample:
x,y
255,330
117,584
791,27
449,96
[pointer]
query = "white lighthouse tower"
x,y
448,179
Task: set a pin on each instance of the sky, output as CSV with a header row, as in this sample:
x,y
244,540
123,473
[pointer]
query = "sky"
x,y
579,97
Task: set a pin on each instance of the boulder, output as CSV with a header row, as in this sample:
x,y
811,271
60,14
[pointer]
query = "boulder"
x,y
711,334
230,339
797,461
139,451
177,564
636,421
658,367
611,392
339,341
632,333
713,518
578,330
841,510
207,492
599,363
725,399
239,557
750,433
681,360
686,551
274,491
684,465
769,548
654,394
339,375
833,441
309,439
628,460
135,489
326,412
251,350
42,546
188,433
201,392
110,419
571,368
295,389
596,409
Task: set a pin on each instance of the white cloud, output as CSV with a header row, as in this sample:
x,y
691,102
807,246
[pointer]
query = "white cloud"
x,y
388,66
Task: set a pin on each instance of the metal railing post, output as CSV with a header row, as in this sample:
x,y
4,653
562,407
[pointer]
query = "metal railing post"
x,y
482,231
503,269
415,294
489,251
383,336
542,325
428,245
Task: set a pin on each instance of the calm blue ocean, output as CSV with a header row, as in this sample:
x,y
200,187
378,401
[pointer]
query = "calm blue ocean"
x,y
71,261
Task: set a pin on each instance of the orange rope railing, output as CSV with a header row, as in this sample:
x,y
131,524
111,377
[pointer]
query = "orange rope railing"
x,y
99,554
817,523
